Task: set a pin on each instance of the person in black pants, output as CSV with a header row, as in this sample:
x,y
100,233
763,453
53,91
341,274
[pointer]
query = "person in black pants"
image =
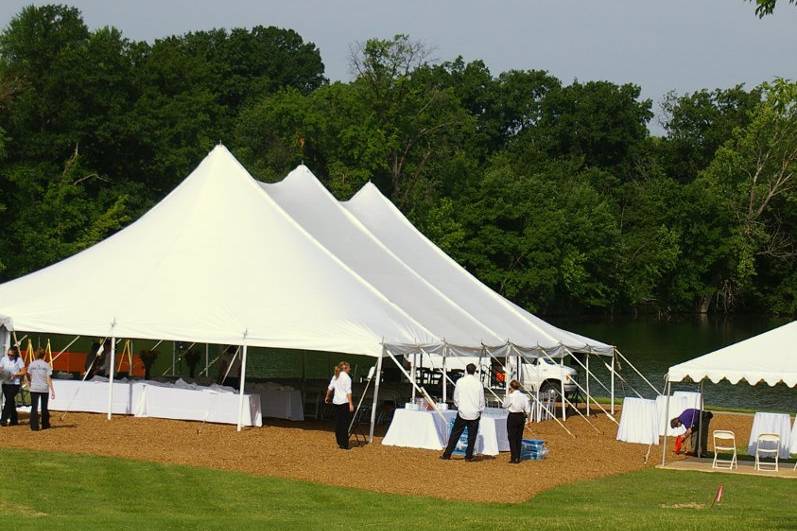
x,y
519,409
13,369
469,399
339,393
41,383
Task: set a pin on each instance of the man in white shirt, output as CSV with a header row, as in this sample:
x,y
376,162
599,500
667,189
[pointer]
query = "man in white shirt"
x,y
469,399
13,368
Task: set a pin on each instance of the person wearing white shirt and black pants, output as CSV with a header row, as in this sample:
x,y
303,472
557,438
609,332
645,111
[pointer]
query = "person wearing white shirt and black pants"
x,y
519,409
41,383
339,392
469,399
13,369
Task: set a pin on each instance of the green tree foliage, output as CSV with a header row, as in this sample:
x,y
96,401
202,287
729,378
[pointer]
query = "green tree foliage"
x,y
767,7
554,194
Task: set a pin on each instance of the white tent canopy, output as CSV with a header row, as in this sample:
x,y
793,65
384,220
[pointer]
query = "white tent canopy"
x,y
216,261
505,319
770,357
308,202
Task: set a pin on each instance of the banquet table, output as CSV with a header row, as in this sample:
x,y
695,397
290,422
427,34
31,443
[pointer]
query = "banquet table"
x,y
279,401
639,421
144,398
425,429
793,445
778,423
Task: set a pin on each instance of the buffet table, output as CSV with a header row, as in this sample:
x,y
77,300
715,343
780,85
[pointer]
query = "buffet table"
x,y
279,401
639,421
144,398
425,429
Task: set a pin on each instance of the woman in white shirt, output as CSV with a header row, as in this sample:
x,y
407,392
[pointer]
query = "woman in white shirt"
x,y
517,403
12,368
339,392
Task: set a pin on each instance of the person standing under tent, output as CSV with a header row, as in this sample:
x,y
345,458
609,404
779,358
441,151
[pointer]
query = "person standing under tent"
x,y
519,407
695,421
339,393
13,369
469,399
41,383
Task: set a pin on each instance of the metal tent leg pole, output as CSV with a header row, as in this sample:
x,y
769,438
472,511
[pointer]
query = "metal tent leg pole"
x,y
174,357
207,358
562,387
110,377
700,448
378,377
587,382
413,375
241,388
445,381
666,423
612,386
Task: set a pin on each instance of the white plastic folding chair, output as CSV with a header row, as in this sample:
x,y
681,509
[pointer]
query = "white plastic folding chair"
x,y
725,443
771,447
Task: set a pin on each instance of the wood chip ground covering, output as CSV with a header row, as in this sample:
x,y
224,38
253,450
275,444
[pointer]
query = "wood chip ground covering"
x,y
307,451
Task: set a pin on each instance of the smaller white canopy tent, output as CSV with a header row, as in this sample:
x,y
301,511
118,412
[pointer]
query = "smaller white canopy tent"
x,y
770,357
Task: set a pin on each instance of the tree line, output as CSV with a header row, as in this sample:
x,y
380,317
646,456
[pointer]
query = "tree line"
x,y
555,194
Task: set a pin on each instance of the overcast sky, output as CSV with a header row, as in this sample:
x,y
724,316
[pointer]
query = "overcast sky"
x,y
661,45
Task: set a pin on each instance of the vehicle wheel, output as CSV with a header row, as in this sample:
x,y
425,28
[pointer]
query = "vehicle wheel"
x,y
551,385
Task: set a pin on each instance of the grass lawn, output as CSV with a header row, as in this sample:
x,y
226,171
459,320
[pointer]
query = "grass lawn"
x,y
47,490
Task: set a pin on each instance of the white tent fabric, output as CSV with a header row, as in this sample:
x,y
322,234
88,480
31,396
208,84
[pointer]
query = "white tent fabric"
x,y
770,357
307,201
216,261
502,317
6,324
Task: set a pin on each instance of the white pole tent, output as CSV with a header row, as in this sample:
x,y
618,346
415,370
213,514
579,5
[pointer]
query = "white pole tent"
x,y
770,357
528,333
456,316
199,266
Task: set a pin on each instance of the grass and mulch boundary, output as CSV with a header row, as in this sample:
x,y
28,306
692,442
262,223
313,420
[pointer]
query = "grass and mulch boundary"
x,y
58,491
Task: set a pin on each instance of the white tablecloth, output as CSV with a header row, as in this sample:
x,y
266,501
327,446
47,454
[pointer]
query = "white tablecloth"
x,y
279,401
793,445
679,402
425,429
778,423
639,421
157,399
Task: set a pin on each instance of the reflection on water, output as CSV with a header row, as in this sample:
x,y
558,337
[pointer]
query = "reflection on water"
x,y
654,345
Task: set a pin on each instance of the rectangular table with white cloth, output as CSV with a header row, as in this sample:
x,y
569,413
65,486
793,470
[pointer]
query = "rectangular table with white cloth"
x,y
778,423
178,400
279,401
425,429
793,445
639,421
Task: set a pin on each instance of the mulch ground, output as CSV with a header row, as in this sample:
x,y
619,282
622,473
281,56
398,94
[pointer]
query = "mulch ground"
x,y
307,451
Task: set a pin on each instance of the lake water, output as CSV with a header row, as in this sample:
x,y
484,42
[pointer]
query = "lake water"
x,y
654,345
